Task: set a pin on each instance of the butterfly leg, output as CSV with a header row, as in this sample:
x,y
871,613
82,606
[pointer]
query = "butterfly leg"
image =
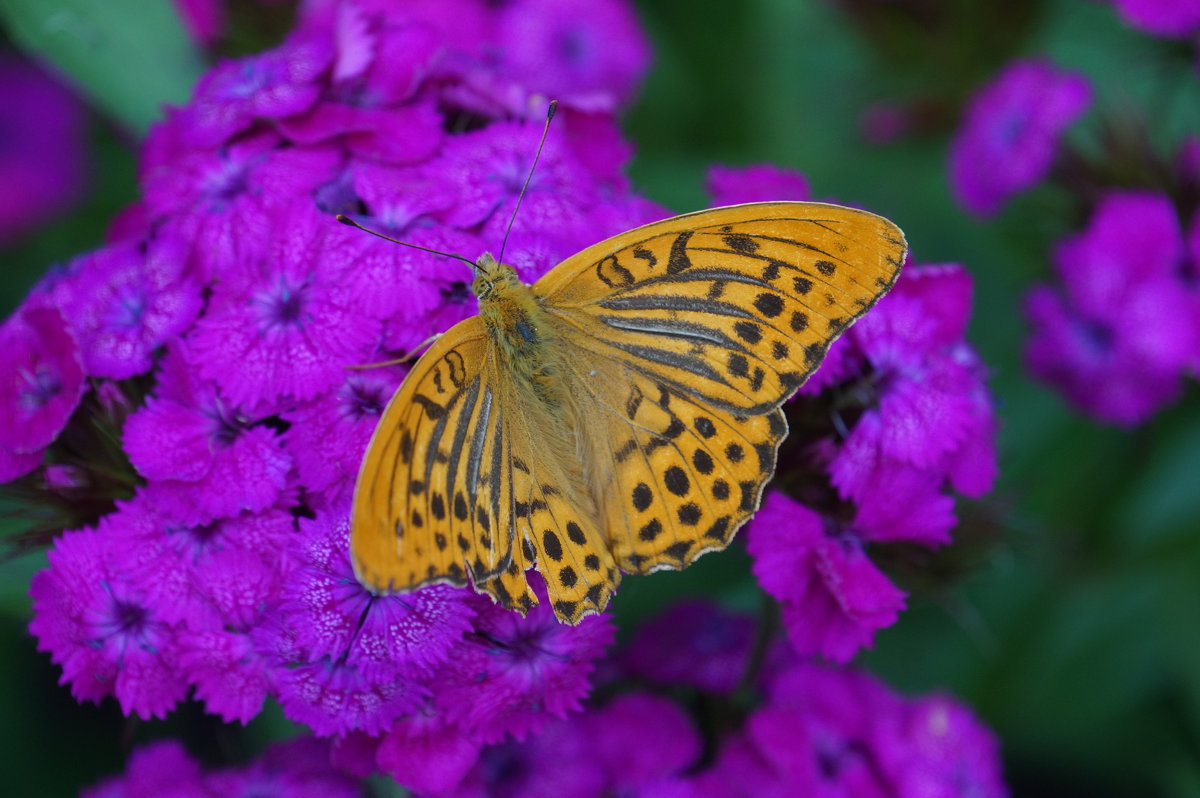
x,y
411,354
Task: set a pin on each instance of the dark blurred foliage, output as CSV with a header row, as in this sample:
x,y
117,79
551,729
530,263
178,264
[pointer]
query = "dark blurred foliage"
x,y
1067,612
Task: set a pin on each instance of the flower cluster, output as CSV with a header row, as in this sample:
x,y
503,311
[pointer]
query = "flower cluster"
x,y
1122,331
297,769
821,731
910,418
214,331
793,727
1116,333
190,379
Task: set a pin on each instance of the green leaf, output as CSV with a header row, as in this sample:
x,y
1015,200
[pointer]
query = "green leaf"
x,y
128,56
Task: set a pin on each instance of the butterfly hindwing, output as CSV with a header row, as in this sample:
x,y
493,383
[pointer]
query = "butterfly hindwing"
x,y
556,520
679,478
430,502
736,305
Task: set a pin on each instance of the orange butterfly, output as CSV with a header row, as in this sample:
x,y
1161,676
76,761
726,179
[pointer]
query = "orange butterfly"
x,y
622,414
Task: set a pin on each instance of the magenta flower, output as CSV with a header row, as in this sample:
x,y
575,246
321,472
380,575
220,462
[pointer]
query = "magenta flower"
x,y
101,627
425,754
1161,17
335,617
345,660
229,674
935,747
931,422
161,768
557,198
43,162
928,421
1009,135
41,382
637,744
834,598
204,458
219,202
272,85
329,434
759,183
694,643
590,55
125,301
1122,332
513,675
285,327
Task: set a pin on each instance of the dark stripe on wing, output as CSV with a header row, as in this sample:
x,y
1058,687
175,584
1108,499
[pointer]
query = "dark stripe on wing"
x,y
687,330
670,302
692,365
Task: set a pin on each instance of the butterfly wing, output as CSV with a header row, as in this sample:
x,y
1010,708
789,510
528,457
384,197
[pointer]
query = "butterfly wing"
x,y
433,499
735,306
557,524
456,484
684,338
689,334
677,477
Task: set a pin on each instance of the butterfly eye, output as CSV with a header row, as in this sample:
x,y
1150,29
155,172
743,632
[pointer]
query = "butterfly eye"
x,y
482,287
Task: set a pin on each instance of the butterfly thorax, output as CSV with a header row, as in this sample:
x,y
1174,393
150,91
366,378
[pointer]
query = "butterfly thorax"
x,y
519,331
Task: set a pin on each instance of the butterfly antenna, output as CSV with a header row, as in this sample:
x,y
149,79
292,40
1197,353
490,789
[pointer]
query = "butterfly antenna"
x,y
546,129
344,219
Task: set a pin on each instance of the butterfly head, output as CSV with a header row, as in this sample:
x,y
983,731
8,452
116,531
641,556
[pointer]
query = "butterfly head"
x,y
492,277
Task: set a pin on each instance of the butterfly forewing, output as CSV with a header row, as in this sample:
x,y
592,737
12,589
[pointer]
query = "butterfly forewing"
x,y
737,305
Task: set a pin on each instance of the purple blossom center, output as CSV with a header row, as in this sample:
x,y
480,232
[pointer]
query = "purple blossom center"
x,y
1010,129
363,401
226,184
127,308
355,96
510,173
576,47
503,765
197,539
283,307
833,753
524,649
849,540
253,76
225,429
40,387
1098,334
1188,272
128,623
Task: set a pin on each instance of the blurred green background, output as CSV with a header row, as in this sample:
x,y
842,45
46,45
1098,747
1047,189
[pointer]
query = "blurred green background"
x,y
1067,613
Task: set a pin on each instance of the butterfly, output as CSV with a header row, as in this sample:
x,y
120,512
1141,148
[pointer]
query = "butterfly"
x,y
619,416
